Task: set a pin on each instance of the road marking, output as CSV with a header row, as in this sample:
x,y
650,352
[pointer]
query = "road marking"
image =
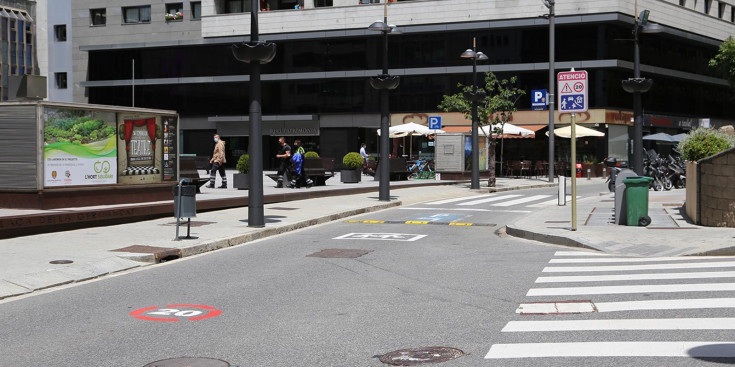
x,y
666,304
634,259
642,276
465,224
577,269
447,201
406,237
461,224
550,202
723,323
579,253
472,210
628,289
522,200
366,221
416,222
556,308
487,200
699,349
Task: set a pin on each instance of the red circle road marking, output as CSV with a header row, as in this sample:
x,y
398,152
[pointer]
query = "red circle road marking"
x,y
212,312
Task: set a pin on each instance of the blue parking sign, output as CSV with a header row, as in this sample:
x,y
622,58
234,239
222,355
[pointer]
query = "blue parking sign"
x,y
435,122
538,99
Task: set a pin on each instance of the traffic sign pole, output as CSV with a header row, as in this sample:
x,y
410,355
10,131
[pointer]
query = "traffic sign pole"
x,y
574,171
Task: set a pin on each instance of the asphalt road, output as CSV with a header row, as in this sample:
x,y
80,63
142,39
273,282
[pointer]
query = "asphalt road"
x,y
273,303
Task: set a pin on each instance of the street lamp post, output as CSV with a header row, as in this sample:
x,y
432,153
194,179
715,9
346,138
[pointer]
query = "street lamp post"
x,y
474,97
384,82
638,85
255,53
550,96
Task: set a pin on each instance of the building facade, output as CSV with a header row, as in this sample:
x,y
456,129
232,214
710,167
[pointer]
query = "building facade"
x,y
317,89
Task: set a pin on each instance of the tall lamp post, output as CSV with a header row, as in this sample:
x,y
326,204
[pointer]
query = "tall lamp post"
x,y
638,85
255,53
475,96
384,82
550,96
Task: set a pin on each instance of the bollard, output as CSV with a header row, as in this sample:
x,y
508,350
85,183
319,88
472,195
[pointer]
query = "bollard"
x,y
562,191
588,174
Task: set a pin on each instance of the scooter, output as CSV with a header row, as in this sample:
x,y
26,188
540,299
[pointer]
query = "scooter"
x,y
611,162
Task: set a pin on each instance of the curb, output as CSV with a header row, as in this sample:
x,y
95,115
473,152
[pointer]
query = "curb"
x,y
513,188
259,234
548,238
729,251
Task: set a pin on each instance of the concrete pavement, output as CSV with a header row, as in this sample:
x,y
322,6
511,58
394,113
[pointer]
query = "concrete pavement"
x,y
40,261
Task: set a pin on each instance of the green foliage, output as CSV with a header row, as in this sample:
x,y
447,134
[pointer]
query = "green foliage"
x,y
77,130
724,61
352,160
243,163
496,107
311,155
704,142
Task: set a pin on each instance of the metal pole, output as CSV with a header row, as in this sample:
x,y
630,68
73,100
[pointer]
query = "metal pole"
x,y
637,113
384,184
551,97
133,76
475,178
574,172
256,217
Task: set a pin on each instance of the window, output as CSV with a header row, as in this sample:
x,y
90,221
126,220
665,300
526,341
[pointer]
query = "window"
x,y
707,6
60,80
237,6
99,17
682,2
721,10
137,14
322,3
175,11
60,32
196,10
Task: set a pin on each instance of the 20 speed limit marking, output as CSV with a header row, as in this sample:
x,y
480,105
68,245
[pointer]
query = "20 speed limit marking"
x,y
179,312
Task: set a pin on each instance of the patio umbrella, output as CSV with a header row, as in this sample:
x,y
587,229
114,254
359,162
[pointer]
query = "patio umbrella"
x,y
664,137
580,132
679,137
410,129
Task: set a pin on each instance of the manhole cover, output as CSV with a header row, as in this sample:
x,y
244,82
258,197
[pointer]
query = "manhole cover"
x,y
416,356
60,262
189,362
339,253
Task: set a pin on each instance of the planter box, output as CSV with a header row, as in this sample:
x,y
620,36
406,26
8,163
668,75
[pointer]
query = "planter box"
x,y
350,176
241,181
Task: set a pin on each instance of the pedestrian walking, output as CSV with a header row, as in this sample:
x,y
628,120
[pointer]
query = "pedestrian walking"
x,y
284,156
218,163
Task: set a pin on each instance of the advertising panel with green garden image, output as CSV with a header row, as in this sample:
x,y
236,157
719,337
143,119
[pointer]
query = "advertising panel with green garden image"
x,y
80,147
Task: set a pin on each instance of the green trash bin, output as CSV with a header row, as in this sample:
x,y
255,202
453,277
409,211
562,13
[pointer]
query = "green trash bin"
x,y
636,191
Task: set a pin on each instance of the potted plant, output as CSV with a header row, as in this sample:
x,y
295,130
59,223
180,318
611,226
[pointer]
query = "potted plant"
x,y
241,181
310,154
352,162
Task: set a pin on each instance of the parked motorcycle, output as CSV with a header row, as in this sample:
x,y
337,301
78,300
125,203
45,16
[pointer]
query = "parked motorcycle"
x,y
677,171
612,162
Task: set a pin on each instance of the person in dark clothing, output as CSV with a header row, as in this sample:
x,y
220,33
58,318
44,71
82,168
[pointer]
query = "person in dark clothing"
x,y
299,177
284,156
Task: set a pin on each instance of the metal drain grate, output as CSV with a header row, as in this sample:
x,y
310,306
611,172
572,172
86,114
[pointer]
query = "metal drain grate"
x,y
194,223
337,253
417,356
159,253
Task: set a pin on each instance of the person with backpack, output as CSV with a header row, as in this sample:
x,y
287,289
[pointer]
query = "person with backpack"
x,y
299,177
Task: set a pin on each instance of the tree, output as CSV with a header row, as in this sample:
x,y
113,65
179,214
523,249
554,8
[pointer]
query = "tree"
x,y
496,105
724,61
704,142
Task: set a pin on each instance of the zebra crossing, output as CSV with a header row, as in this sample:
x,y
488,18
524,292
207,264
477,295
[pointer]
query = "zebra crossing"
x,y
501,201
620,306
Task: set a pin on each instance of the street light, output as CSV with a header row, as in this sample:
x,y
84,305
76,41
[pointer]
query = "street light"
x,y
255,53
474,55
550,96
384,82
638,85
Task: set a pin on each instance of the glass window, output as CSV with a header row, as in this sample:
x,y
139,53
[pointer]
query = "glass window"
x,y
137,14
60,80
196,10
21,26
322,3
234,6
99,17
175,11
60,32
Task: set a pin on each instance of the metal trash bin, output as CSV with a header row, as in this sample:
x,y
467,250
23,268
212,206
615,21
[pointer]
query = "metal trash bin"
x,y
636,192
185,204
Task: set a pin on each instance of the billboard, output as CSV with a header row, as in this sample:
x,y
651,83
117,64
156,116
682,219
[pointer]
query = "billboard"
x,y
140,159
80,147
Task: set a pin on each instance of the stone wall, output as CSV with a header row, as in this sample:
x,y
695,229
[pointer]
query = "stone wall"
x,y
717,190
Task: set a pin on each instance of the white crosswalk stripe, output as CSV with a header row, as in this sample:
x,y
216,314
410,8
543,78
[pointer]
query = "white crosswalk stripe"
x,y
499,200
522,200
487,200
632,279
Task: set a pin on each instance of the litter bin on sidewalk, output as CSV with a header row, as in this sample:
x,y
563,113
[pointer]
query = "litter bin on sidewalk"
x,y
185,204
636,192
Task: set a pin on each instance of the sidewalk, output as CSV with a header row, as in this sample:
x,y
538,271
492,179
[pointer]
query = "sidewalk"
x,y
94,252
669,234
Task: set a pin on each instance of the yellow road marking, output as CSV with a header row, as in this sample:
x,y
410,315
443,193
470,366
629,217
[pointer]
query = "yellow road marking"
x,y
460,224
416,222
373,221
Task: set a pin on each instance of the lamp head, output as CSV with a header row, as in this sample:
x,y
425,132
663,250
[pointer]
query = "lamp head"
x,y
468,54
481,56
394,29
652,28
643,17
379,26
